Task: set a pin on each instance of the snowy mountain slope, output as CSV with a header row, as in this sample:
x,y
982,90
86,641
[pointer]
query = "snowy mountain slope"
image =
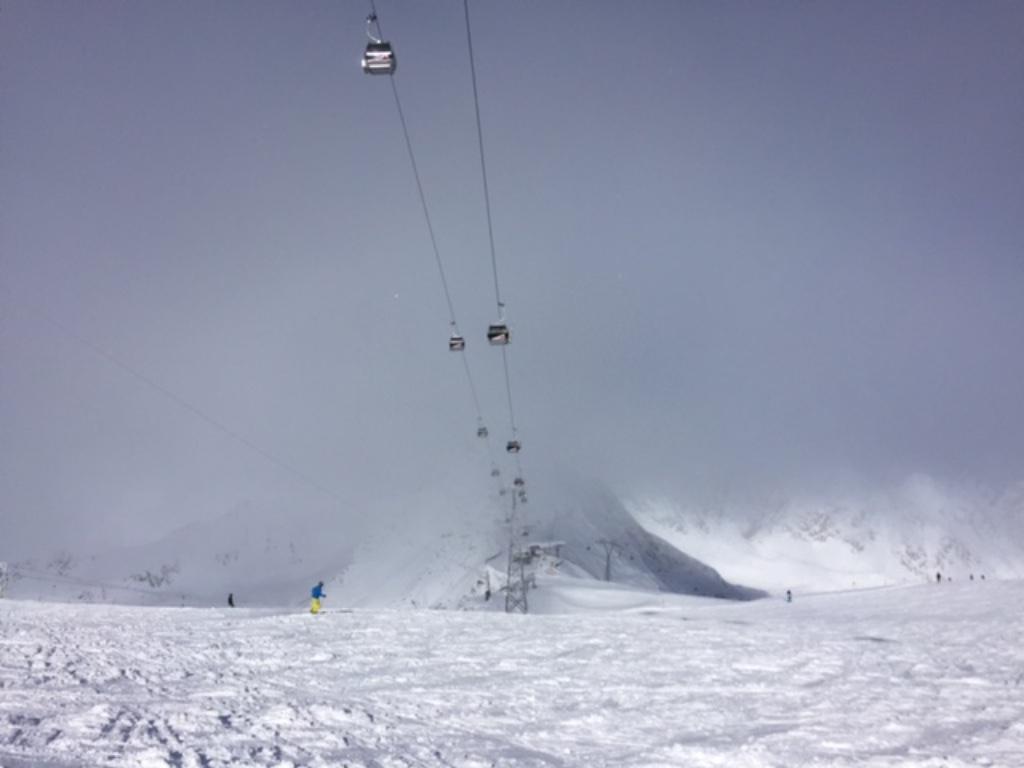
x,y
436,548
847,540
592,523
430,552
916,677
260,553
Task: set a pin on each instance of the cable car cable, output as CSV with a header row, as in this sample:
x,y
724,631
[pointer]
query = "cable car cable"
x,y
437,254
508,392
497,334
419,190
196,411
483,164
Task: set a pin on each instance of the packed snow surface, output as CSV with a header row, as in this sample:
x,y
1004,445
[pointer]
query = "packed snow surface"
x,y
909,676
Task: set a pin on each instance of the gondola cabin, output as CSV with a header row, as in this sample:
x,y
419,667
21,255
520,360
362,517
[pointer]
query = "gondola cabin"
x,y
379,58
513,446
456,343
498,334
481,432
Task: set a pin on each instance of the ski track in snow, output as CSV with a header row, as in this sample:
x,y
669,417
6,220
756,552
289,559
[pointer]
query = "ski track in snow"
x,y
919,676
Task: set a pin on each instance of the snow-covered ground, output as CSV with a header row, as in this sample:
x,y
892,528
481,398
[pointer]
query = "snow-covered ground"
x,y
910,676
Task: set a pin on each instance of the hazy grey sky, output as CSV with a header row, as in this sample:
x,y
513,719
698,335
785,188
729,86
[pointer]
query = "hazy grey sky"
x,y
740,243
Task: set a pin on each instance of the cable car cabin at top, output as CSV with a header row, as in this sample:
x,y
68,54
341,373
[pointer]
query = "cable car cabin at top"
x,y
379,57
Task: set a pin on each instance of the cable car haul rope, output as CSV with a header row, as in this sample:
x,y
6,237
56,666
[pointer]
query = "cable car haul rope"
x,y
379,59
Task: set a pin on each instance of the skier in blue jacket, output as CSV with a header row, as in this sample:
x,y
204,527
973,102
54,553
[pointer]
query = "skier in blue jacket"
x,y
317,594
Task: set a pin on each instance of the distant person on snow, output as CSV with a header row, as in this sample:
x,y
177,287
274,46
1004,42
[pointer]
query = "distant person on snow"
x,y
231,599
938,578
789,596
317,595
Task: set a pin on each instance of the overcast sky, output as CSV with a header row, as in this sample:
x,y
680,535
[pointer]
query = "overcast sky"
x,y
740,243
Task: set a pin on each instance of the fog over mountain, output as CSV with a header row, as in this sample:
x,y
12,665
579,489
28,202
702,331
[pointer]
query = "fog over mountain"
x,y
754,258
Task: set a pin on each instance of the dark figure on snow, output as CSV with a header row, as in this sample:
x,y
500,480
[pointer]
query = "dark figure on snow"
x,y
789,596
231,599
317,594
938,578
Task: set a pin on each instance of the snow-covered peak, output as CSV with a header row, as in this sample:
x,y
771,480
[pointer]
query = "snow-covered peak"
x,y
833,541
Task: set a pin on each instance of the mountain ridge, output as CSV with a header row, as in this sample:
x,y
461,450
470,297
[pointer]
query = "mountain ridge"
x,y
439,548
907,533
